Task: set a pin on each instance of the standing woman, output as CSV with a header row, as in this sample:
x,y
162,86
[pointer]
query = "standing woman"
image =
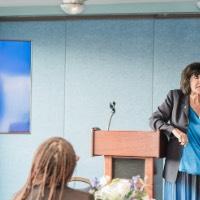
x,y
52,168
179,118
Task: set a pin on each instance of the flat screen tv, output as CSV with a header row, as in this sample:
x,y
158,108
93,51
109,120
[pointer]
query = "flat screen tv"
x,y
15,86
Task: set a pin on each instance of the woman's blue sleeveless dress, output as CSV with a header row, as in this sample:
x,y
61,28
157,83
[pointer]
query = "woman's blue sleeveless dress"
x,y
187,185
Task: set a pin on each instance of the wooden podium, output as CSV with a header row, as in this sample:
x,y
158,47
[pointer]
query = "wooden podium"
x,y
145,145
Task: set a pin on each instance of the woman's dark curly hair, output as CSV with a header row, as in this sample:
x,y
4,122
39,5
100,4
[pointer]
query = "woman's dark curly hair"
x,y
191,69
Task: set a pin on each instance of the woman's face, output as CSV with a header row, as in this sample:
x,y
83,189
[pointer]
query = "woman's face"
x,y
195,84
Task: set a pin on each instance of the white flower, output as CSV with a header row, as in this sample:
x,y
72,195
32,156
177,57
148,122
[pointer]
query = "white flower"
x,y
121,189
104,180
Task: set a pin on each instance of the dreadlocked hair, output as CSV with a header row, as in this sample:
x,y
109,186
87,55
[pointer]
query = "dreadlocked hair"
x,y
52,168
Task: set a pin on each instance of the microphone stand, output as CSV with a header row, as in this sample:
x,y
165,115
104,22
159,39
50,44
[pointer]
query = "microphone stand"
x,y
112,107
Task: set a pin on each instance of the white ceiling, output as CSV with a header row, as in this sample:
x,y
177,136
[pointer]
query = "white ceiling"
x,y
14,3
13,8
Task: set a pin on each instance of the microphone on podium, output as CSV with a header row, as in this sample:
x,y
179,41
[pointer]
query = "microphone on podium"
x,y
112,107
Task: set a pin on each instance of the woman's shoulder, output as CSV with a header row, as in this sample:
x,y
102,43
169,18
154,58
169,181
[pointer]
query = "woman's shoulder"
x,y
175,92
68,193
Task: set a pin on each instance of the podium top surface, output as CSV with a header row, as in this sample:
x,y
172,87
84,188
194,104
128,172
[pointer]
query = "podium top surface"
x,y
128,143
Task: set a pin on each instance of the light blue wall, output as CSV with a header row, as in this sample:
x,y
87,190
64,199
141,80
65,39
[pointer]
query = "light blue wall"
x,y
47,114
177,43
78,67
105,62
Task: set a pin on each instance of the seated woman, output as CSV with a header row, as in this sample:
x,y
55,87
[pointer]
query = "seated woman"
x,y
52,168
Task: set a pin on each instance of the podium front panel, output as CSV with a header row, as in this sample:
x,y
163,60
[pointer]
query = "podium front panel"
x,y
126,168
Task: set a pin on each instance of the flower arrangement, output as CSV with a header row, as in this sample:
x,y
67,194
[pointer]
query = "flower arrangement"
x,y
119,189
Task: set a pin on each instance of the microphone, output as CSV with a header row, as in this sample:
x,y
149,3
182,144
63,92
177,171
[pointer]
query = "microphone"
x,y
112,107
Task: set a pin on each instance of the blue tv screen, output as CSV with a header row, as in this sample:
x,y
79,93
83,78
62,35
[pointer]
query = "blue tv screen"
x,y
15,86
